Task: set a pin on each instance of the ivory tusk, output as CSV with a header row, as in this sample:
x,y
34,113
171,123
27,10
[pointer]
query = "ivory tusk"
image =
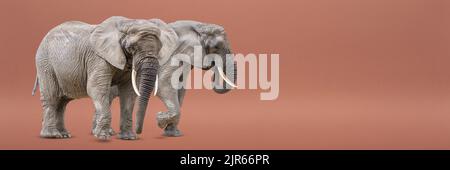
x,y
133,81
225,78
156,86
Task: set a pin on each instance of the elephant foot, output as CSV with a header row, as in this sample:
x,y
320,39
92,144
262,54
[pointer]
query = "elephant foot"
x,y
54,133
110,131
166,118
127,135
172,131
102,133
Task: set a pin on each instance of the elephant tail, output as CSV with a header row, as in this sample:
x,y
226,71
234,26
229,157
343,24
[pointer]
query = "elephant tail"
x,y
36,82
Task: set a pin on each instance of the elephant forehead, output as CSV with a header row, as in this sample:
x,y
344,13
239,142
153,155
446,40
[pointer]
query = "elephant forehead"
x,y
140,26
148,28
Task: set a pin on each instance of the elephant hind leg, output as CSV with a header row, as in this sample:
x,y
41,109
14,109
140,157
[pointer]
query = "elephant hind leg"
x,y
53,119
181,94
53,105
60,110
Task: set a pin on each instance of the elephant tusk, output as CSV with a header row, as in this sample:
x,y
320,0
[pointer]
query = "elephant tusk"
x,y
156,86
228,81
133,81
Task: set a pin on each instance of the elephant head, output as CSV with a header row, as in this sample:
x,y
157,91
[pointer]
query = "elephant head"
x,y
169,39
214,41
126,43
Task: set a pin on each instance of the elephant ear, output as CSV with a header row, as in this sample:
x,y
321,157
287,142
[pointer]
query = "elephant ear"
x,y
105,39
168,38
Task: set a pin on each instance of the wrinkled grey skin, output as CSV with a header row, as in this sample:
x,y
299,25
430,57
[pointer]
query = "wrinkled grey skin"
x,y
212,39
77,60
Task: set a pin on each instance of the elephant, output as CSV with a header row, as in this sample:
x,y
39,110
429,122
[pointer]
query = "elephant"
x,y
77,60
213,40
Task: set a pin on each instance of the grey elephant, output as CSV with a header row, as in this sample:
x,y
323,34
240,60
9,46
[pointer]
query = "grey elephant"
x,y
77,60
213,40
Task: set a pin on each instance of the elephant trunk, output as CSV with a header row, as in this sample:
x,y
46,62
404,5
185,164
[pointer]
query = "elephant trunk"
x,y
228,74
148,70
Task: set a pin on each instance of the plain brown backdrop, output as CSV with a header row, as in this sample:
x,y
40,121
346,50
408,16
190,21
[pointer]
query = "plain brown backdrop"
x,y
354,74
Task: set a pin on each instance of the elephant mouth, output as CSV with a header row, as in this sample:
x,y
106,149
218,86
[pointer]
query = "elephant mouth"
x,y
228,76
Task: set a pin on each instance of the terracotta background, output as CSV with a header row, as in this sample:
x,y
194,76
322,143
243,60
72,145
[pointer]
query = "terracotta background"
x,y
354,74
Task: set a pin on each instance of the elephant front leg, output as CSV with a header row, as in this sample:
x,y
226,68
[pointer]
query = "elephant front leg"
x,y
127,100
98,89
102,129
113,94
169,120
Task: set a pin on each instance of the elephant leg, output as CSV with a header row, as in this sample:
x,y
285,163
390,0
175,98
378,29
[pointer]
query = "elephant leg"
x,y
94,122
169,120
181,93
182,90
53,123
172,129
53,105
127,99
60,111
102,129
98,88
113,94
